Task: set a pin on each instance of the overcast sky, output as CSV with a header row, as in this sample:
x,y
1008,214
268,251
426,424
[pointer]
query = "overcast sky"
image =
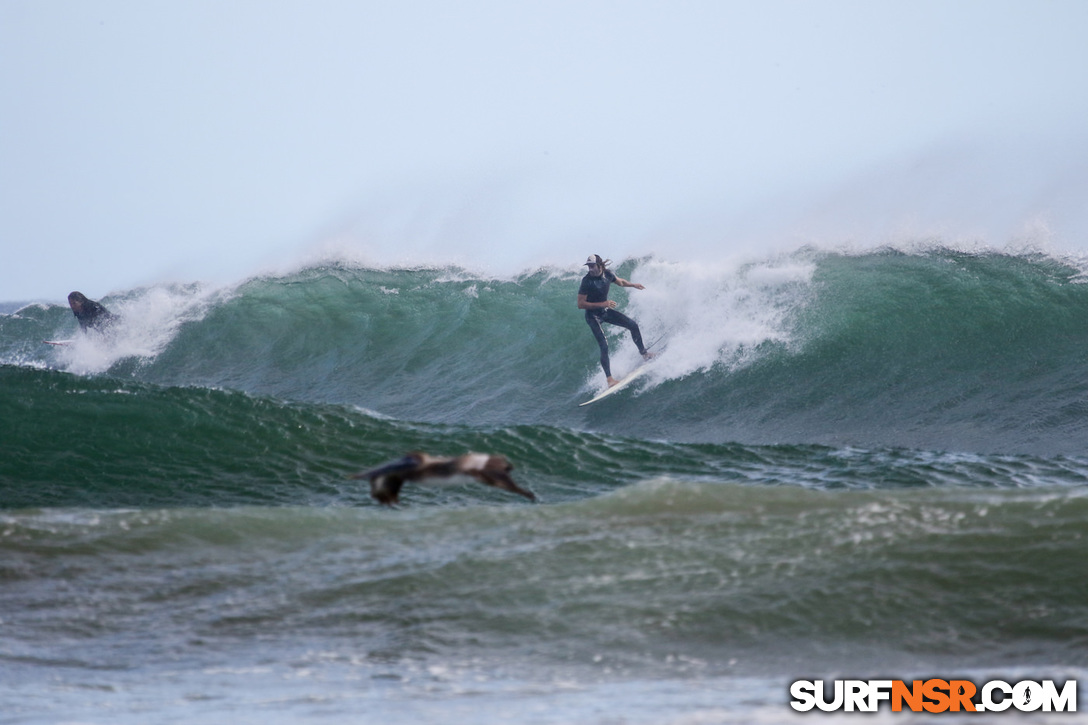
x,y
198,140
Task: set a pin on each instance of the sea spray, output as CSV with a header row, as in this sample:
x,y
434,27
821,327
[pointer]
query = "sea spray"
x,y
717,313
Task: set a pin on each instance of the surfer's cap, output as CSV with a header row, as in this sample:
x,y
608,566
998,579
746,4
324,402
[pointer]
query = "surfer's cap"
x,y
592,261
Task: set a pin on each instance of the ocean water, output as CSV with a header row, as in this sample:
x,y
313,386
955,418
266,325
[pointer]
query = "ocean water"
x,y
842,465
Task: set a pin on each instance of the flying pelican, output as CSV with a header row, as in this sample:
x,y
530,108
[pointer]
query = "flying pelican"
x,y
386,479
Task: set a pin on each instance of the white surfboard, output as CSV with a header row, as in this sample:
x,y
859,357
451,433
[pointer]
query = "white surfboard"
x,y
623,383
57,342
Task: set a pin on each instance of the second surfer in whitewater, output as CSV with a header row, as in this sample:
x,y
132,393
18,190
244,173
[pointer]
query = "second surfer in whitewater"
x,y
593,298
91,315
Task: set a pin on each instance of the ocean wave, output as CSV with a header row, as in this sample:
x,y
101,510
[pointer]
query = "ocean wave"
x,y
103,443
930,348
656,577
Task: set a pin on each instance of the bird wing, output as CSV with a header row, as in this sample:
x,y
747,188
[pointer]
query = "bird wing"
x,y
503,481
386,480
386,489
399,468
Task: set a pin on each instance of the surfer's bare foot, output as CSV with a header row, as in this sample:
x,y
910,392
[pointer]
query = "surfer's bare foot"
x,y
649,355
612,381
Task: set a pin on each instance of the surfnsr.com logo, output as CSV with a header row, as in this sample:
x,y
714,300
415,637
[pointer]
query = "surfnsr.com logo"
x,y
934,695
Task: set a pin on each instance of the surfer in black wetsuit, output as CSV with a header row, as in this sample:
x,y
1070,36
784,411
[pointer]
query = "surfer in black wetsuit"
x,y
91,315
593,298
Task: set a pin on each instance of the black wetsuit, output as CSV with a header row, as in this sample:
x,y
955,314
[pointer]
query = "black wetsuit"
x,y
91,314
595,288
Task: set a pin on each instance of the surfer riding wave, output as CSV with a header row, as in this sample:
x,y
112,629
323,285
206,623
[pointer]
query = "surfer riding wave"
x,y
593,298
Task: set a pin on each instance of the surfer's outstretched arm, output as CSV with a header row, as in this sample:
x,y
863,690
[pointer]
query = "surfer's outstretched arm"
x,y
628,283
